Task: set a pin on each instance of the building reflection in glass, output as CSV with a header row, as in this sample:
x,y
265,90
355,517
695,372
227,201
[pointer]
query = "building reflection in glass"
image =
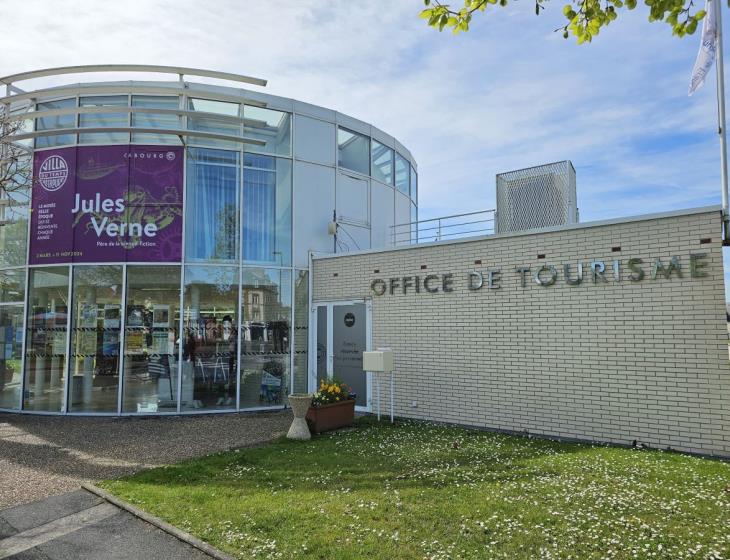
x,y
265,336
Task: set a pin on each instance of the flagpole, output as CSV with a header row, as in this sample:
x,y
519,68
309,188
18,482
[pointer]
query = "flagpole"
x,y
721,110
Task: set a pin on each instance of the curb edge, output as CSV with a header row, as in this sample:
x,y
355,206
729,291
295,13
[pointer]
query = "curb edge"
x,y
159,523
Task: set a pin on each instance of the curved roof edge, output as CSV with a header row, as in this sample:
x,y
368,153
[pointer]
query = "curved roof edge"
x,y
92,68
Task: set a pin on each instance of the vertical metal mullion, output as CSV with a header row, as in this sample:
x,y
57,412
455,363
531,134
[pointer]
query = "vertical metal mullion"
x,y
24,344
330,341
122,339
239,258
292,262
311,327
27,277
181,322
129,118
368,347
181,334
77,119
69,312
239,315
292,328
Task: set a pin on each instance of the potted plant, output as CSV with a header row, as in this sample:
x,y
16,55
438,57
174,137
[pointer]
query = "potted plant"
x,y
333,407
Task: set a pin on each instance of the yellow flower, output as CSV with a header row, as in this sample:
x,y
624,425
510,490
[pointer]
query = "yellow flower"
x,y
337,390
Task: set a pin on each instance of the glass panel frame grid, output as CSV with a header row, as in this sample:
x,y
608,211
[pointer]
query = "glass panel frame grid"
x,y
242,266
71,395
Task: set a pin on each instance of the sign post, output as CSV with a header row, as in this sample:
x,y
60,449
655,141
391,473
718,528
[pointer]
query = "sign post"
x,y
381,361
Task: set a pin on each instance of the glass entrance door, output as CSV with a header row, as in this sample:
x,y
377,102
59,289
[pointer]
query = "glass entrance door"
x,y
342,334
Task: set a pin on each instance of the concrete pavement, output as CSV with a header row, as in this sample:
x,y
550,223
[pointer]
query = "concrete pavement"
x,y
81,526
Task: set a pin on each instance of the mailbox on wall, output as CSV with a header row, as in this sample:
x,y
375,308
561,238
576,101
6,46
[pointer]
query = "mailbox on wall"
x,y
380,360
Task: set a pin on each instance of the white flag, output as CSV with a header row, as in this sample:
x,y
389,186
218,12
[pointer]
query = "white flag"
x,y
708,48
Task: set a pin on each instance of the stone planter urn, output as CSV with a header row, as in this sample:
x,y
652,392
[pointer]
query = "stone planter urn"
x,y
299,405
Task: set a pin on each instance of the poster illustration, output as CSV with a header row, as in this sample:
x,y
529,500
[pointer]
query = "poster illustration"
x,y
95,204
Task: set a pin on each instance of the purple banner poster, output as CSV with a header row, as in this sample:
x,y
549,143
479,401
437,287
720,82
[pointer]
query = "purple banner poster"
x,y
95,204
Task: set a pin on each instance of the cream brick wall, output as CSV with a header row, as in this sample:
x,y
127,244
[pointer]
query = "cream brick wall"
x,y
613,361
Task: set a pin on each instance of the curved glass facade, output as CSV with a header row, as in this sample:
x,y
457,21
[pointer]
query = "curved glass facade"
x,y
194,296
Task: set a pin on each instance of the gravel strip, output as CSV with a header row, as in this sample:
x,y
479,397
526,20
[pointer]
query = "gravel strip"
x,y
41,456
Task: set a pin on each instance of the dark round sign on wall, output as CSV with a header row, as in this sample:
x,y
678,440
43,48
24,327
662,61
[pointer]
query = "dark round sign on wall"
x,y
349,319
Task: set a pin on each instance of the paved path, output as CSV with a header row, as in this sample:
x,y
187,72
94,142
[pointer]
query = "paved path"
x,y
81,526
42,456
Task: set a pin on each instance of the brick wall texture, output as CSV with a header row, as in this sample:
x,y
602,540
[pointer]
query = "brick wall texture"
x,y
604,360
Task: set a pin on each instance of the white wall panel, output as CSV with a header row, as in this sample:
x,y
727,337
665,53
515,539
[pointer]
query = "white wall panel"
x,y
382,137
402,216
314,203
353,238
382,214
314,111
353,124
314,140
353,199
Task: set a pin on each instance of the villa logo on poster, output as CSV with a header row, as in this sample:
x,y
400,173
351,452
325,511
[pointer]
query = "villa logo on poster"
x,y
53,173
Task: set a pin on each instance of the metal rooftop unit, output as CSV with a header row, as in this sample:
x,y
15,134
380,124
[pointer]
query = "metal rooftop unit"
x,y
536,197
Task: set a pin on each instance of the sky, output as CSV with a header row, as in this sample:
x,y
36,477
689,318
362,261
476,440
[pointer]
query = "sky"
x,y
508,94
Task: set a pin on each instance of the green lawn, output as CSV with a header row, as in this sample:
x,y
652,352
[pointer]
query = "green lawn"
x,y
422,491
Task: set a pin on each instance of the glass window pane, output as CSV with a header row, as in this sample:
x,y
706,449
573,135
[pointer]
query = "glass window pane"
x,y
110,119
402,173
155,120
353,151
211,224
45,358
55,122
11,351
12,286
96,314
382,163
266,317
322,344
151,336
267,210
14,202
272,127
210,106
208,123
211,337
414,185
301,332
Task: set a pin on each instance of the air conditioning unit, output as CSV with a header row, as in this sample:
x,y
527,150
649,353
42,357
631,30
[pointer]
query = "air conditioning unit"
x,y
536,197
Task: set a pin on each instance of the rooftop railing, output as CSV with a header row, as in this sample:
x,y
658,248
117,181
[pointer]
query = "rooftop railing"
x,y
443,228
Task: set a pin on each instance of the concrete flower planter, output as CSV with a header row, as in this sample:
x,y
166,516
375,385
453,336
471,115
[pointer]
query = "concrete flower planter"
x,y
331,416
299,405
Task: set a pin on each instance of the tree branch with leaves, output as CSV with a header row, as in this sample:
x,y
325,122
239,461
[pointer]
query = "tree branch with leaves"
x,y
15,171
585,18
15,182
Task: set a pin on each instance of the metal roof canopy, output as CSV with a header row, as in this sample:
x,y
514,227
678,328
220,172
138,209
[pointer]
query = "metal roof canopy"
x,y
94,68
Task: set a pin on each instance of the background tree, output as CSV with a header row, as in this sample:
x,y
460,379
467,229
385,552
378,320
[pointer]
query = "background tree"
x,y
585,18
15,181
